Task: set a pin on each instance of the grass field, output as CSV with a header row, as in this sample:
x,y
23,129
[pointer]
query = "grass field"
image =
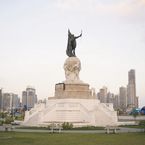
x,y
133,126
15,138
78,128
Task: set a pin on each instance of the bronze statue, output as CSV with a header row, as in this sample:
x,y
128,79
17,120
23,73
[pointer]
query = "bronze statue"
x,y
71,44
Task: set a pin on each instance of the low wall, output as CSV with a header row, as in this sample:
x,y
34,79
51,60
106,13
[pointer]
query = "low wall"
x,y
131,118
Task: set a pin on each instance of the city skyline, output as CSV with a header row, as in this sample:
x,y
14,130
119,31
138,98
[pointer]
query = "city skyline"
x,y
33,42
126,96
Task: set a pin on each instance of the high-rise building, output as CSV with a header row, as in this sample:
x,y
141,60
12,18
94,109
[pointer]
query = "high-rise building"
x,y
131,89
136,101
6,101
29,98
102,95
24,98
110,97
123,98
1,101
15,101
116,102
10,101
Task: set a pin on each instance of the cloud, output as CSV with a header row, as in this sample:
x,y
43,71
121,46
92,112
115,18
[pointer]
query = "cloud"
x,y
75,5
123,7
142,2
119,8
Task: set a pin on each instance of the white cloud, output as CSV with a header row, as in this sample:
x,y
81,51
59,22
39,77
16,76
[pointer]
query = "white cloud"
x,y
141,1
75,5
123,8
119,8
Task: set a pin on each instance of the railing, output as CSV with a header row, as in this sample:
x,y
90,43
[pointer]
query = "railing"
x,y
131,118
111,129
55,128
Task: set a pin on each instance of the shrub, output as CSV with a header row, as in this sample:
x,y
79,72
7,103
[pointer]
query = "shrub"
x,y
67,125
8,120
142,123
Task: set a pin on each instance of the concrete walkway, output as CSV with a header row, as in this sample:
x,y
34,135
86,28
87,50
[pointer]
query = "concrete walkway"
x,y
121,130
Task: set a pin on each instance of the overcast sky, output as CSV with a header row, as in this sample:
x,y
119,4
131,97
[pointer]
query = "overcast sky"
x,y
33,40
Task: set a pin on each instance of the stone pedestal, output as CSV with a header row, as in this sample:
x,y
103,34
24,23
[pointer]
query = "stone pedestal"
x,y
73,91
72,87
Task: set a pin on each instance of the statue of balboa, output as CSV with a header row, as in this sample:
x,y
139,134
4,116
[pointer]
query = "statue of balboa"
x,y
71,44
72,65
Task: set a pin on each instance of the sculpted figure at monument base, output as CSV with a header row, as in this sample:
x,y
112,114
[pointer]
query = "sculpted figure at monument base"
x,y
72,67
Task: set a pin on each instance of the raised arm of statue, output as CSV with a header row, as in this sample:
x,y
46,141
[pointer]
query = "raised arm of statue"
x,y
79,35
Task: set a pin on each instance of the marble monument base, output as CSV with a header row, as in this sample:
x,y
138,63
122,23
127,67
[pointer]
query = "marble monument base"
x,y
79,112
73,102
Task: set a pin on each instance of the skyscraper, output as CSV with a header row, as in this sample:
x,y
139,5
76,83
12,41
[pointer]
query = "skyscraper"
x,y
10,101
24,98
136,101
116,102
110,97
123,98
1,101
131,89
102,95
29,98
6,101
15,101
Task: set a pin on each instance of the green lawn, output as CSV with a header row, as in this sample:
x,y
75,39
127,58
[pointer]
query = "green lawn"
x,y
133,126
46,128
15,138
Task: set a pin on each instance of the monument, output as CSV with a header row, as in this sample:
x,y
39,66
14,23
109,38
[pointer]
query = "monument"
x,y
73,101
